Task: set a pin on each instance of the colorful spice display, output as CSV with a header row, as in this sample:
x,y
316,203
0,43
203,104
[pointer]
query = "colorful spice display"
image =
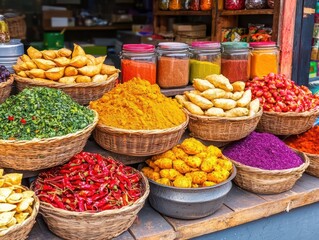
x,y
137,104
141,69
201,69
305,142
41,113
89,182
264,151
189,165
236,69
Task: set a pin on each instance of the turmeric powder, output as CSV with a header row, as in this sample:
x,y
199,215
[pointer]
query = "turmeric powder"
x,y
138,105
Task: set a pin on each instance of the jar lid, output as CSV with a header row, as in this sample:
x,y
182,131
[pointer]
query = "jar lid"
x,y
138,48
205,44
172,45
262,44
235,45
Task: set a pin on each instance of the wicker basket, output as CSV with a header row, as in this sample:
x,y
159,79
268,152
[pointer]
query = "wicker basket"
x,y
39,154
5,89
17,27
21,231
92,226
219,129
82,93
138,142
262,181
287,123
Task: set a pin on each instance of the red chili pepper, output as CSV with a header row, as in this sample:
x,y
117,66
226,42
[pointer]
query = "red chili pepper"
x,y
10,118
67,183
23,121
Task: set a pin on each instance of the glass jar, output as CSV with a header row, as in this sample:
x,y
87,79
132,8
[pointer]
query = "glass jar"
x,y
234,4
163,4
4,30
138,60
206,5
172,64
235,61
205,59
175,5
264,59
194,5
255,4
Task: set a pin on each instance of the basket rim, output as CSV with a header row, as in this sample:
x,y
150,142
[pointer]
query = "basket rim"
x,y
293,114
233,119
37,140
310,154
35,210
104,127
102,213
55,84
302,167
8,82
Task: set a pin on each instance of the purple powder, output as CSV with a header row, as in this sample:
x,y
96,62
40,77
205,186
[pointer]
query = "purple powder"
x,y
263,150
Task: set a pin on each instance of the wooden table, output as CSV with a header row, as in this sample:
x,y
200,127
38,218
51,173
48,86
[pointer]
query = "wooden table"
x,y
239,209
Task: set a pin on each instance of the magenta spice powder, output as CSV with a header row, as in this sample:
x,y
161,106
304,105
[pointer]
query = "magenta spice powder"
x,y
263,150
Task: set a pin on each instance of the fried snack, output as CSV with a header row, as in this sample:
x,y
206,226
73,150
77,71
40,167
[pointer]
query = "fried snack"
x,y
168,154
218,176
181,99
225,164
36,73
200,101
90,60
70,71
25,58
68,80
90,70
77,50
211,94
150,173
182,182
12,179
44,64
64,52
78,61
49,54
181,166
99,78
62,61
31,65
55,73
179,152
164,163
208,164
23,66
202,84
151,164
213,151
254,106
214,111
5,193
220,81
237,112
83,79
34,53
100,60
16,68
245,99
238,86
237,95
208,184
198,177
192,146
22,74
171,174
193,161
164,181
225,104
108,69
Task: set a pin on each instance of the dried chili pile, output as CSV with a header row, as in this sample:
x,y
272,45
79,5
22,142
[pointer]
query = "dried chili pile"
x,y
307,142
264,151
42,112
89,182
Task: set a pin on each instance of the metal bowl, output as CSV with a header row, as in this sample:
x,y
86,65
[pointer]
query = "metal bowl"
x,y
189,203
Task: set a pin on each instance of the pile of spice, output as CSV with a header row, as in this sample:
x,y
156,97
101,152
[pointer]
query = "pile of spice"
x,y
138,105
306,142
264,151
41,113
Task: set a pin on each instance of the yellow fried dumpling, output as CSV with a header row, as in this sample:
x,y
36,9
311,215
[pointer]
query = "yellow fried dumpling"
x,y
171,174
25,58
164,163
217,176
6,217
78,61
16,68
44,64
182,182
151,164
192,146
36,73
12,179
70,71
62,61
164,181
90,70
150,173
108,69
100,60
55,73
208,184
77,51
193,161
225,163
181,166
99,78
179,152
90,60
48,54
23,66
64,52
214,151
34,53
209,163
83,79
31,65
168,154
198,177
22,74
68,80
21,216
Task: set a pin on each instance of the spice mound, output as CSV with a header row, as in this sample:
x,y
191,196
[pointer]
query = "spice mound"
x,y
138,105
189,165
264,151
41,113
89,182
306,142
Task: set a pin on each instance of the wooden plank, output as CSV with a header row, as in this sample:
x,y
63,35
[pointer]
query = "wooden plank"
x,y
41,231
181,12
308,182
247,12
151,225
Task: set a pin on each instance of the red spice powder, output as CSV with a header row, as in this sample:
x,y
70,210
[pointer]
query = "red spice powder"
x,y
235,70
141,69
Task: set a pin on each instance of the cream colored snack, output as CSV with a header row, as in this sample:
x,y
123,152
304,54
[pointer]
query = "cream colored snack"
x,y
237,112
214,111
245,99
213,93
193,108
225,104
202,84
220,81
254,106
200,101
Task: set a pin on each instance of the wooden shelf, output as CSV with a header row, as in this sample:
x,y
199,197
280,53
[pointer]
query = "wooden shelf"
x,y
247,12
180,13
92,28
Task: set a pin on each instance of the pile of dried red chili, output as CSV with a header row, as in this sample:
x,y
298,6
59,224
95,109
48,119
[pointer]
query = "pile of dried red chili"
x,y
89,182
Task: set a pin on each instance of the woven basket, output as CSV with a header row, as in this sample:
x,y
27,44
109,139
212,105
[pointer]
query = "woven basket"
x,y
92,226
5,89
138,142
21,231
288,123
82,93
17,27
262,181
44,153
219,129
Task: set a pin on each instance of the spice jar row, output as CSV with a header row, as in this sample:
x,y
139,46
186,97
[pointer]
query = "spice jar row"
x,y
193,5
176,64
247,4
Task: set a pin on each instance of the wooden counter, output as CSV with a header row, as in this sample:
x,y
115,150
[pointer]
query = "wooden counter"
x,y
239,208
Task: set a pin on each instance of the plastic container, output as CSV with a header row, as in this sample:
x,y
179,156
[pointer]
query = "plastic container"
x,y
9,53
264,59
138,60
255,4
172,64
175,5
234,4
53,40
205,59
235,61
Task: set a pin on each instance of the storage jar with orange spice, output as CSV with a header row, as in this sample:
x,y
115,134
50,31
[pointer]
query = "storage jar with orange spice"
x,y
264,59
138,60
172,64
235,61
